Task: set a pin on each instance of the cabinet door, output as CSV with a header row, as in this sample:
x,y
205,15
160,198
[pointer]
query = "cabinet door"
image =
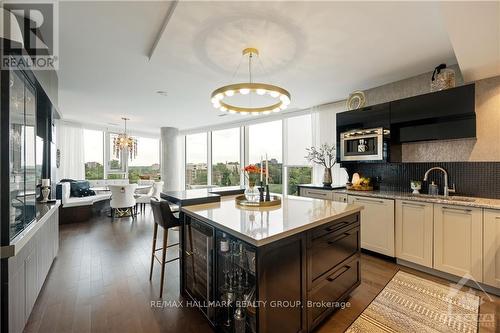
x,y
377,224
340,197
491,249
458,240
317,194
414,229
31,283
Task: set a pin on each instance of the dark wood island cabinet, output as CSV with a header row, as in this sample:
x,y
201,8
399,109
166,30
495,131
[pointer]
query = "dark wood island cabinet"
x,y
270,270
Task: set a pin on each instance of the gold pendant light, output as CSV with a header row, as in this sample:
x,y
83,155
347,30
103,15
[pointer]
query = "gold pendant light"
x,y
281,96
124,142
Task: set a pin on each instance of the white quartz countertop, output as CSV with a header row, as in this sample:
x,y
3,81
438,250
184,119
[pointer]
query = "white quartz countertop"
x,y
261,226
458,200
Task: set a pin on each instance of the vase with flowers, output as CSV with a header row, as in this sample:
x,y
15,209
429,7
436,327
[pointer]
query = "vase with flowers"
x,y
324,156
252,173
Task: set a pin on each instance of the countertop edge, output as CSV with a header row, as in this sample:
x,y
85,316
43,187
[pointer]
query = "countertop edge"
x,y
24,237
285,234
409,197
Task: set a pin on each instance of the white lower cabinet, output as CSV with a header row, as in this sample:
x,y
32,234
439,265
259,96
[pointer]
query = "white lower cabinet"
x,y
491,248
316,193
340,197
414,229
377,224
458,240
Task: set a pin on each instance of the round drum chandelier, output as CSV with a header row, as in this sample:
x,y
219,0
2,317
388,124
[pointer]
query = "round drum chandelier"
x,y
220,95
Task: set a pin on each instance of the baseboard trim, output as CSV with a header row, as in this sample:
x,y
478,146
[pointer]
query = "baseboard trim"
x,y
453,278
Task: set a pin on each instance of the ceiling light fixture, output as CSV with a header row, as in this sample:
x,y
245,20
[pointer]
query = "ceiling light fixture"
x,y
281,96
125,143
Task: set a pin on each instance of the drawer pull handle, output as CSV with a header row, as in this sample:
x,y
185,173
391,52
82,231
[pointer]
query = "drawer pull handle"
x,y
459,209
370,201
336,239
413,204
337,226
317,193
338,273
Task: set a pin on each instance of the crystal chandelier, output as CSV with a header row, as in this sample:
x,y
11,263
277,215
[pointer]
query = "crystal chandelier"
x,y
124,142
281,96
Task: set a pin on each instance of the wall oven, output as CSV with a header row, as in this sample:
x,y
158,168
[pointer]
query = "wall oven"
x,y
364,145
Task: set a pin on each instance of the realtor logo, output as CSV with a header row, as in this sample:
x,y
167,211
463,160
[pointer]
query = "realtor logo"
x,y
38,24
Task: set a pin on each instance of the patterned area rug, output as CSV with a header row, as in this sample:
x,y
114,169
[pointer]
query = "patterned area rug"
x,y
411,304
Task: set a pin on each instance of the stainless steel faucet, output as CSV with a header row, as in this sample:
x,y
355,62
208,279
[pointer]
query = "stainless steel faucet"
x,y
446,189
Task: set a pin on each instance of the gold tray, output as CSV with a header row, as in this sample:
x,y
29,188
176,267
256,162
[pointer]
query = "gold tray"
x,y
241,200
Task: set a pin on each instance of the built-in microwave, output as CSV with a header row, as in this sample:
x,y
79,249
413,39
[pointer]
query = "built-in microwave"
x,y
364,145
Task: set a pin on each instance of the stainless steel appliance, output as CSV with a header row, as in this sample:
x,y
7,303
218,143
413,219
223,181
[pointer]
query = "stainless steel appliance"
x,y
364,145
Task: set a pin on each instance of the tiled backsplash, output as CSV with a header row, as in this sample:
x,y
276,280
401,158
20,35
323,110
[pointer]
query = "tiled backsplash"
x,y
480,179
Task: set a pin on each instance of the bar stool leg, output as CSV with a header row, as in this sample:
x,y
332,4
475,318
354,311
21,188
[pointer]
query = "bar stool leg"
x,y
155,233
163,257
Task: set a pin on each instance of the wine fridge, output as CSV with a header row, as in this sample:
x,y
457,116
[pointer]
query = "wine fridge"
x,y
198,265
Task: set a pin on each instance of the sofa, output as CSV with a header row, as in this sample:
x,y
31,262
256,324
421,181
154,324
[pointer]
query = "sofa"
x,y
80,209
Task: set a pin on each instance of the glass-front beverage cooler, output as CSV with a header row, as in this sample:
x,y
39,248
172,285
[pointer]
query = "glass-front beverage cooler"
x,y
236,285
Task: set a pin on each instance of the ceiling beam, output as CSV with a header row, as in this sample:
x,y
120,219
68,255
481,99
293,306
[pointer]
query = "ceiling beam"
x,y
168,16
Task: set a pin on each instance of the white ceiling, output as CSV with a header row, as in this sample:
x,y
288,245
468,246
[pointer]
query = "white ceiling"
x,y
319,51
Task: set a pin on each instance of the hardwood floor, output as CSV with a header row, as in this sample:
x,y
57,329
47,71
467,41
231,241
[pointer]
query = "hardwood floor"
x,y
99,282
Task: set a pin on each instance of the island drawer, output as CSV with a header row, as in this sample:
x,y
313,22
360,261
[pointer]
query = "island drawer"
x,y
324,298
331,249
334,226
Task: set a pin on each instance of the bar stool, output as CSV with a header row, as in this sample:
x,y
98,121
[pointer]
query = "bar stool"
x,y
164,218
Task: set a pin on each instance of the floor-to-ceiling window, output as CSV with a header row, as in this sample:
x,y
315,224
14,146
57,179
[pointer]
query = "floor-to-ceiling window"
x,y
196,160
146,165
266,138
226,166
93,154
298,137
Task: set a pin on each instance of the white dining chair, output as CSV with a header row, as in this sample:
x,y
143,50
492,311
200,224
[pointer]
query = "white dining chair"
x,y
122,200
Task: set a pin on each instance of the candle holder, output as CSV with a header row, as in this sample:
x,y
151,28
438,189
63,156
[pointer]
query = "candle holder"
x,y
261,192
268,195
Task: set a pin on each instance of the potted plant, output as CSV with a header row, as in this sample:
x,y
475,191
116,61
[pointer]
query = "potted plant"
x,y
324,156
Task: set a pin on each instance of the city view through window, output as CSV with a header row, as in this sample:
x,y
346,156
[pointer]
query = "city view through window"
x,y
144,166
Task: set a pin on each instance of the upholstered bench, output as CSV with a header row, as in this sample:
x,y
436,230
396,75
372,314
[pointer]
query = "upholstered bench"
x,y
80,209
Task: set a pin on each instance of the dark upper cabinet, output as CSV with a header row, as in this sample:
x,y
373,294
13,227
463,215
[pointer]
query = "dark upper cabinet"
x,y
447,114
369,117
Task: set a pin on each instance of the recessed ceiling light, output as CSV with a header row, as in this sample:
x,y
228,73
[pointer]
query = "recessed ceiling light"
x,y
162,92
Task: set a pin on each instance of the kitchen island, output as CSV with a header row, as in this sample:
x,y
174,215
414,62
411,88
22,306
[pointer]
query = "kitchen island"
x,y
273,269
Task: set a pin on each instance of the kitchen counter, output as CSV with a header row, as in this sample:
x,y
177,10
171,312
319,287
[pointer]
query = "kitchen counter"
x,y
200,196
305,252
266,225
321,187
451,200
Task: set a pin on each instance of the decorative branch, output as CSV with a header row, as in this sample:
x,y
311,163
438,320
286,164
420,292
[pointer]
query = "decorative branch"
x,y
324,155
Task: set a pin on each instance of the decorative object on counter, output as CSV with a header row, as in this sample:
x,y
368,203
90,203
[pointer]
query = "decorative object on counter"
x,y
253,89
442,78
251,171
45,189
242,200
356,100
261,192
416,186
324,156
268,194
433,189
360,183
